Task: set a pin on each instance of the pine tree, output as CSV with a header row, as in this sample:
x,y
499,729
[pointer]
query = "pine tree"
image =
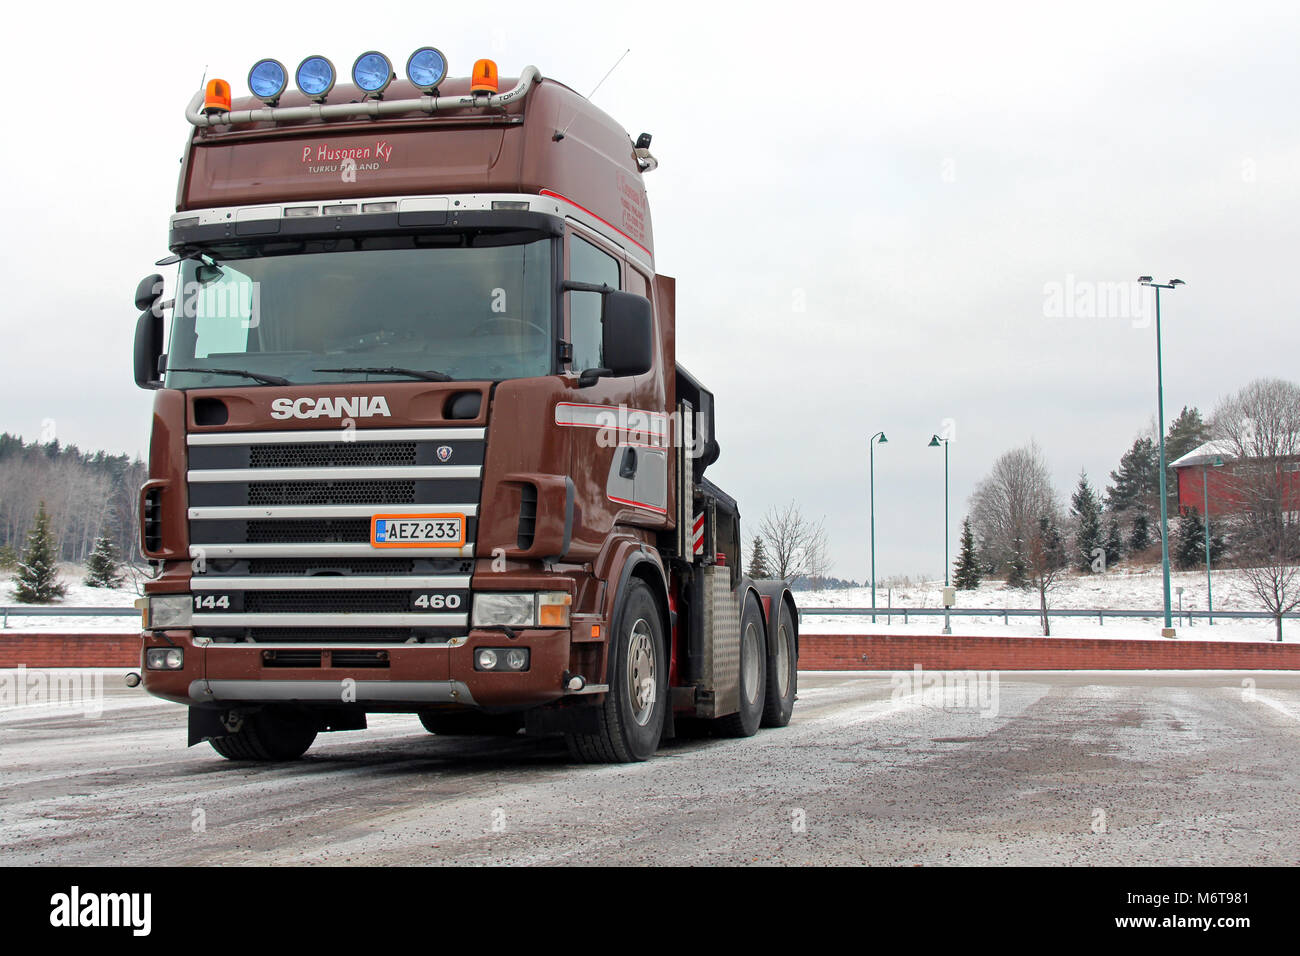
x,y
38,575
1139,538
103,569
758,560
1188,545
1114,542
1136,483
1017,569
966,576
1086,510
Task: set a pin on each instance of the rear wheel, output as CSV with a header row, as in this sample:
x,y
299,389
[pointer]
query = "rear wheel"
x,y
266,735
753,674
631,718
782,672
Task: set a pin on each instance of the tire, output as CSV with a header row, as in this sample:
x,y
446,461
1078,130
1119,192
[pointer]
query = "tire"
x,y
267,735
782,673
470,724
753,674
631,718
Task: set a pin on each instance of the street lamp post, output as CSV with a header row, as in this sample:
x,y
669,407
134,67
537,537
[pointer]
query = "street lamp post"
x,y
1160,407
1205,517
871,445
935,441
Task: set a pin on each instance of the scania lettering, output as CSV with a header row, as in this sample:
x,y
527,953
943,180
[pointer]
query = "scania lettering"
x,y
421,441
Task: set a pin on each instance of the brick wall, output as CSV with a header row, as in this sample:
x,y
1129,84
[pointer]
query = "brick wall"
x,y
835,652
817,652
48,649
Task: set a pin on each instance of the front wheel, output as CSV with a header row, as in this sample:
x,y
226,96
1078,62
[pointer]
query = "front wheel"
x,y
631,719
266,735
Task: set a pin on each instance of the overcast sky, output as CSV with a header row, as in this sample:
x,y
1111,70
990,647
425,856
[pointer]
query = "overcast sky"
x,y
875,213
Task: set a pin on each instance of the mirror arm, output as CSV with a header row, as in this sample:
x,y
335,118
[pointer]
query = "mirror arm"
x,y
590,376
572,285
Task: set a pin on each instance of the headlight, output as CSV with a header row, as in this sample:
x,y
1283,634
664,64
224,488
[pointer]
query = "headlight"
x,y
547,609
164,658
169,611
501,659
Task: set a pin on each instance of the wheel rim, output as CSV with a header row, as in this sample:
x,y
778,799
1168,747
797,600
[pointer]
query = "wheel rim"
x,y
642,672
783,662
749,663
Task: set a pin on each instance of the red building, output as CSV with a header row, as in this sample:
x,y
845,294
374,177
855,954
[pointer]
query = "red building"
x,y
1213,464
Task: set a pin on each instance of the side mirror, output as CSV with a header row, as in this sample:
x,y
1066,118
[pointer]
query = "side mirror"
x,y
148,292
627,333
148,349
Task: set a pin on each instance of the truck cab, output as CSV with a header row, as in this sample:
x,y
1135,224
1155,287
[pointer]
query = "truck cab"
x,y
420,439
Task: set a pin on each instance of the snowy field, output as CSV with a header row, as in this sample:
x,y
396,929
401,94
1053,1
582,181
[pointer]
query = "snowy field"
x,y
1126,589
1118,589
79,595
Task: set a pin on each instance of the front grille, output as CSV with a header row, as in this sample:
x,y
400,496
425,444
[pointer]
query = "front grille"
x,y
359,658
335,635
319,602
326,566
316,530
280,658
326,454
352,492
332,516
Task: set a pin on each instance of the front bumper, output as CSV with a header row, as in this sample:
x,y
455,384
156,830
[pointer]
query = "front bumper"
x,y
412,676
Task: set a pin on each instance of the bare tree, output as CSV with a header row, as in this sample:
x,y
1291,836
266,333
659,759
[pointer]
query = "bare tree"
x,y
1006,505
1260,426
796,546
1046,562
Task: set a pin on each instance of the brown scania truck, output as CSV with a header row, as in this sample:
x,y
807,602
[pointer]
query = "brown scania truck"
x,y
420,440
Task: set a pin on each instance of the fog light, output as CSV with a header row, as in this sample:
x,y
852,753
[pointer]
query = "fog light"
x,y
164,658
516,659
486,659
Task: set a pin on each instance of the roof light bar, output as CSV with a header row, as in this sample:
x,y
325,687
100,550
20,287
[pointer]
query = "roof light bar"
x,y
372,72
267,80
426,68
315,77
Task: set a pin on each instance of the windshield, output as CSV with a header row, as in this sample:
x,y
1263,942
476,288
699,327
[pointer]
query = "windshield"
x,y
443,307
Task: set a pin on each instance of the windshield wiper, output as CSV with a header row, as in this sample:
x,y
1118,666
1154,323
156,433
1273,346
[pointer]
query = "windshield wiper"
x,y
255,376
428,376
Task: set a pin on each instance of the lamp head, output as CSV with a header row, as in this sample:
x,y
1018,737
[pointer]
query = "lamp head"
x,y
934,442
1145,280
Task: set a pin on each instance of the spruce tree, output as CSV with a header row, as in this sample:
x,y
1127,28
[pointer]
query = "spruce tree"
x,y
966,576
1114,542
1139,538
1136,483
1086,510
758,560
103,569
38,573
1188,545
1017,569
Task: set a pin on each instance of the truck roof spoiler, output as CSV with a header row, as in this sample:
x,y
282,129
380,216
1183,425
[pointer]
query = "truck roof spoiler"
x,y
367,108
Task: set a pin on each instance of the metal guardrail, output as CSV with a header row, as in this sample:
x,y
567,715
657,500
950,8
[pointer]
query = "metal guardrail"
x,y
35,610
1007,613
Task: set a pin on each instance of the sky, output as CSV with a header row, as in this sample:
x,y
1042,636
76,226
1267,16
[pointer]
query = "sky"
x,y
915,218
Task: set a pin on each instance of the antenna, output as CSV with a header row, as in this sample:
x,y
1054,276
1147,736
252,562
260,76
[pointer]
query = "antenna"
x,y
560,135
